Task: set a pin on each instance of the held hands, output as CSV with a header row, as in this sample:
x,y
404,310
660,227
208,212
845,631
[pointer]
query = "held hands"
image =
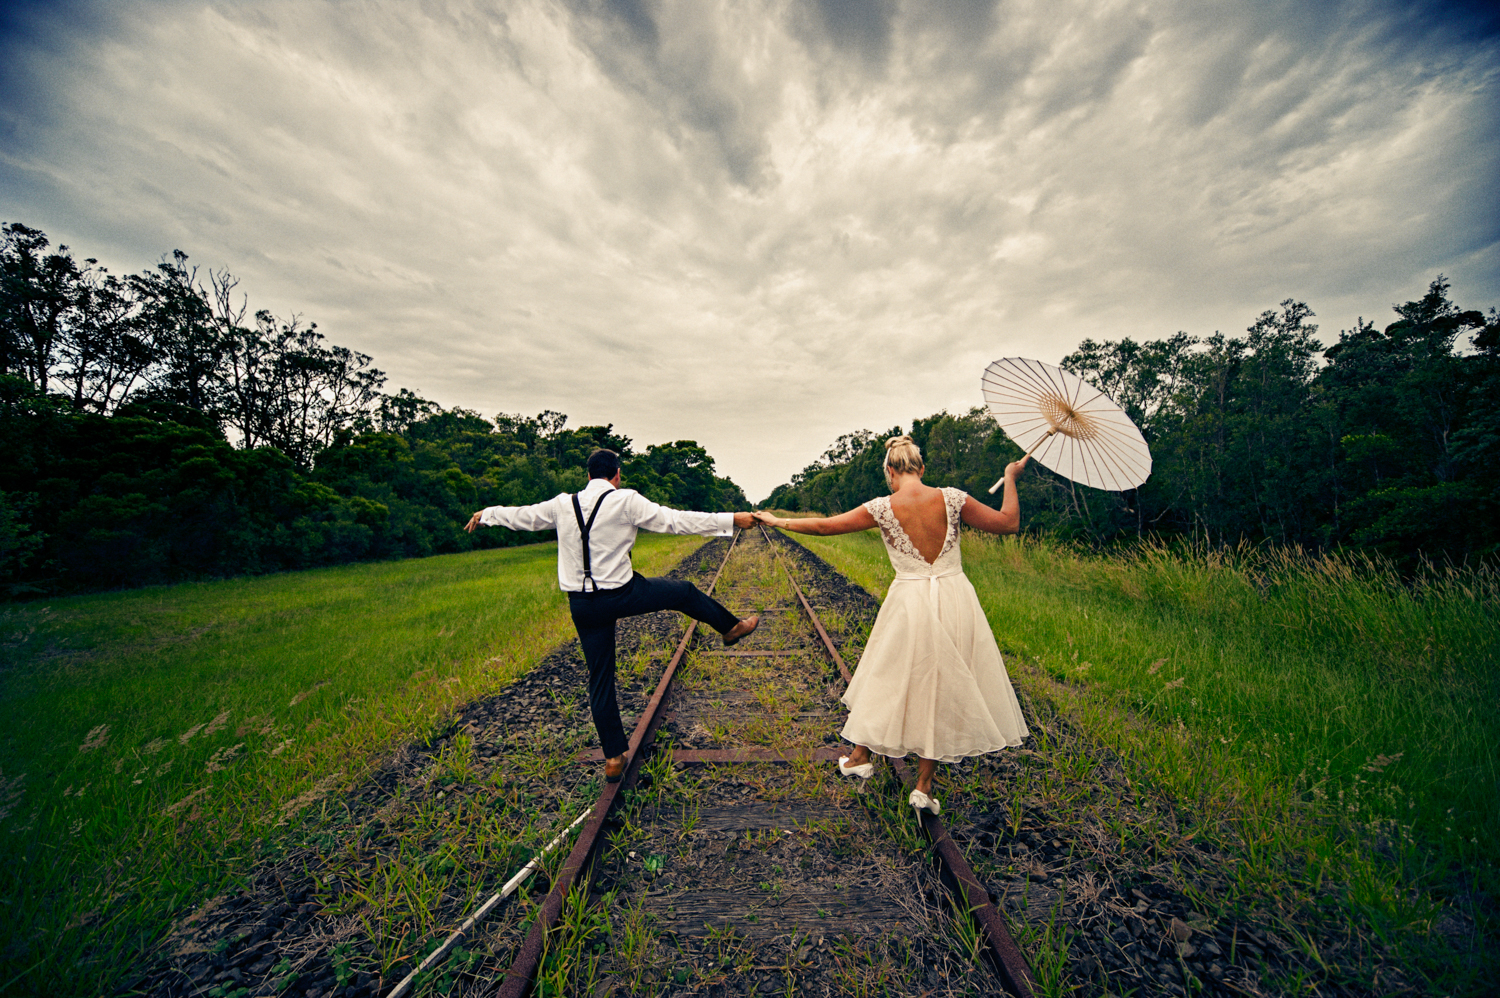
x,y
772,520
741,520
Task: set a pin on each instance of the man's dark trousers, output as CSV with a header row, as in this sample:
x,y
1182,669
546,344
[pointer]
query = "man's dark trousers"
x,y
594,614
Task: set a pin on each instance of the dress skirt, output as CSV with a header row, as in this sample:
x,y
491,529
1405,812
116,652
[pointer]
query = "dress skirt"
x,y
931,680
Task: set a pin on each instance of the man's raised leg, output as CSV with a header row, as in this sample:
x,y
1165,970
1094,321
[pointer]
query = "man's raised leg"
x,y
648,595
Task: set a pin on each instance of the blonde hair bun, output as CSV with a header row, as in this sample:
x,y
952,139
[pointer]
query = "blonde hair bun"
x,y
903,456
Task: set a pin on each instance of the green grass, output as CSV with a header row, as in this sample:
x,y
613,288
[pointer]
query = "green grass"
x,y
157,741
1334,726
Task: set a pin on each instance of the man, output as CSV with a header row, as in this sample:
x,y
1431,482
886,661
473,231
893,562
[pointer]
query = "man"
x,y
595,531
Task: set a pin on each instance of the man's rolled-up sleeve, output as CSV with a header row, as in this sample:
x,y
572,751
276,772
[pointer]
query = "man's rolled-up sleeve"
x,y
647,515
542,516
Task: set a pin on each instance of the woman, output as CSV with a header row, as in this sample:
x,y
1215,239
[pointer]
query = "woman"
x,y
931,680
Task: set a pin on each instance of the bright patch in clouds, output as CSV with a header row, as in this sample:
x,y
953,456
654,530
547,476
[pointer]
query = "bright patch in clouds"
x,y
761,225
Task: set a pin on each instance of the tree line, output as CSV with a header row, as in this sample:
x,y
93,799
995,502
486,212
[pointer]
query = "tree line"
x,y
1387,440
155,429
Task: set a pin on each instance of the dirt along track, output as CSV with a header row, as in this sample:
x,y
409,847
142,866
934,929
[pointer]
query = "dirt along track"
x,y
711,877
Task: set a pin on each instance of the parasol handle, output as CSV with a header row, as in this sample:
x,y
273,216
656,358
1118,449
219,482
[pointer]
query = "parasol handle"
x,y
994,488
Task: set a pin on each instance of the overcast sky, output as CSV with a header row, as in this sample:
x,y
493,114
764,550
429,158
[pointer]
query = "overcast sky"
x,y
762,224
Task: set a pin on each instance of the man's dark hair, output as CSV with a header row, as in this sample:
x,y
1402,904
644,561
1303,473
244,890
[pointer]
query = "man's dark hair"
x,y
603,463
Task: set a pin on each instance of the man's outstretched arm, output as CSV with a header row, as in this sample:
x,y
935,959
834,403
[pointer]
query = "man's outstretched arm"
x,y
658,519
542,516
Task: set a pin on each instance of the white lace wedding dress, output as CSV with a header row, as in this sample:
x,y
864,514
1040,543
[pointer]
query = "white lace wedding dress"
x,y
931,680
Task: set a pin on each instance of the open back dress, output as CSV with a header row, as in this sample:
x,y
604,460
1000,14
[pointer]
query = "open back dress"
x,y
931,680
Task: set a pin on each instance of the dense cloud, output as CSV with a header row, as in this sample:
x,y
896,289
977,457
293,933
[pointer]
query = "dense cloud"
x,y
762,224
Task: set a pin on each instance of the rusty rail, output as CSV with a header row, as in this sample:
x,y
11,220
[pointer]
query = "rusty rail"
x,y
967,888
523,969
749,753
689,757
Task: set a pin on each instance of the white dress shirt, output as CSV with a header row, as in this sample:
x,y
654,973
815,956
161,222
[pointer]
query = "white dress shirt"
x,y
613,533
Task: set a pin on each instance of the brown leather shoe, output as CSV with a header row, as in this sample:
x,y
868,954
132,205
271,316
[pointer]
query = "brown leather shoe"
x,y
741,630
614,769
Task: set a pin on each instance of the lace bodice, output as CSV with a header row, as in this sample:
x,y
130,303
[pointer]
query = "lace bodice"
x,y
903,553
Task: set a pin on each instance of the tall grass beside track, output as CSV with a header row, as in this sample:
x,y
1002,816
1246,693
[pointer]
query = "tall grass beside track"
x,y
156,742
1333,727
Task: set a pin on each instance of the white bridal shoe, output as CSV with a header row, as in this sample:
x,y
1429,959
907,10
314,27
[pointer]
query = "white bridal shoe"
x,y
922,802
864,770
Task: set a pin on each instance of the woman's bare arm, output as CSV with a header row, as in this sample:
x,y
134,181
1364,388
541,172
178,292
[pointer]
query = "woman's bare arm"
x,y
1005,520
855,520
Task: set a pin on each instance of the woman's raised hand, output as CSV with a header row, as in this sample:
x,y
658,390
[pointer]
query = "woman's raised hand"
x,y
761,516
1016,467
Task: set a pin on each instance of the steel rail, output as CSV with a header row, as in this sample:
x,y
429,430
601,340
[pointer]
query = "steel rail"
x,y
523,969
969,891
749,753
702,757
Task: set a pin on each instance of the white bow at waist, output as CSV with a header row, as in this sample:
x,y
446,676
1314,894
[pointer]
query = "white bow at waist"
x,y
931,580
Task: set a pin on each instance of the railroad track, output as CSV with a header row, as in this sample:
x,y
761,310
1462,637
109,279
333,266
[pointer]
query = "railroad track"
x,y
734,860
737,830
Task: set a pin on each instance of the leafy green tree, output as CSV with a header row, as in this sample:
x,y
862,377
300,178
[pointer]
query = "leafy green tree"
x,y
314,391
397,413
130,475
102,351
188,346
1475,447
19,541
1388,440
1418,434
37,291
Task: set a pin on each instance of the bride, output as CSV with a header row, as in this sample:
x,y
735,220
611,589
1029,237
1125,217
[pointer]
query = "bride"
x,y
931,680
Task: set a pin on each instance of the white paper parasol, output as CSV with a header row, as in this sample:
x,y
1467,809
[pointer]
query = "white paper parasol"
x,y
1067,424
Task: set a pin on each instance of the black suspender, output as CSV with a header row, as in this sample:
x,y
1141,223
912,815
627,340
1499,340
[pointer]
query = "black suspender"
x,y
584,528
